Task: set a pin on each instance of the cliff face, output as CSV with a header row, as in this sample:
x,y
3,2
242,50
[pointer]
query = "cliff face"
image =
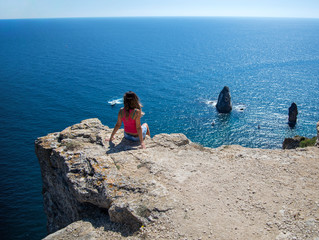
x,y
83,178
174,188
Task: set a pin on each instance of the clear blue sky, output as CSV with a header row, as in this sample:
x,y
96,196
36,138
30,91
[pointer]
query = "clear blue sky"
x,y
117,8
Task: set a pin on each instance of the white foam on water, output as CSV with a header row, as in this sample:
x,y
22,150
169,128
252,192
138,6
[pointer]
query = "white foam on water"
x,y
115,101
240,107
236,107
211,102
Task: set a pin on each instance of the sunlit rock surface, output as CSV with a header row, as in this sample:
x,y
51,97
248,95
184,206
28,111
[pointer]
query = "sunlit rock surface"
x,y
174,189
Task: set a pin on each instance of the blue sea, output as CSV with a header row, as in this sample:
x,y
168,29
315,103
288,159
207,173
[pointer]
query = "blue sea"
x,y
57,72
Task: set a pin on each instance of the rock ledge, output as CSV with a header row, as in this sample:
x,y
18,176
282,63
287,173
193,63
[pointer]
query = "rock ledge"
x,y
174,189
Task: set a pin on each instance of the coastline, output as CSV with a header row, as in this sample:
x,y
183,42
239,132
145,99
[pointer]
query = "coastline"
x,y
65,78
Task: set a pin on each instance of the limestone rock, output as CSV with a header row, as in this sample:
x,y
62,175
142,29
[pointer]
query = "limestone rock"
x,y
174,189
81,179
292,115
80,230
224,104
317,134
299,141
292,143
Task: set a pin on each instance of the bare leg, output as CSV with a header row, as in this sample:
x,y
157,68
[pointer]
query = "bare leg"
x,y
148,129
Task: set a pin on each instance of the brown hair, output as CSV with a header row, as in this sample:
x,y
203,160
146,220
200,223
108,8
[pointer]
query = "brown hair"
x,y
131,101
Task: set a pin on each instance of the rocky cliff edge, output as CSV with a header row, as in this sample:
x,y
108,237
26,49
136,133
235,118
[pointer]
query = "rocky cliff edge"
x,y
174,189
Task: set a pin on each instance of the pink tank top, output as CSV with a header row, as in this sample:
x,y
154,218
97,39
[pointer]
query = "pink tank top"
x,y
129,123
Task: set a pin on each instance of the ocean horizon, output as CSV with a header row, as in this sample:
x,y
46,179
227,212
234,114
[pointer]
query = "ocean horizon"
x,y
57,72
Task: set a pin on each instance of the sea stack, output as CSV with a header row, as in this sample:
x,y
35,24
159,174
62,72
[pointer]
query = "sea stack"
x,y
292,115
224,101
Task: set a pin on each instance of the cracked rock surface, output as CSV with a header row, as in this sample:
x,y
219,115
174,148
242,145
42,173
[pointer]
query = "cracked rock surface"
x,y
174,189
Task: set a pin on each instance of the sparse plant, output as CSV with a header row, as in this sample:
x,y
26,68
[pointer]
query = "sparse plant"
x,y
308,142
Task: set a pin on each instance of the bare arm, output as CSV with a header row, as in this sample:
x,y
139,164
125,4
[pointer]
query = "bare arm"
x,y
116,127
139,128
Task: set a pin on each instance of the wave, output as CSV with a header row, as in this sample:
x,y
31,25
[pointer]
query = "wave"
x,y
236,107
212,103
113,102
239,107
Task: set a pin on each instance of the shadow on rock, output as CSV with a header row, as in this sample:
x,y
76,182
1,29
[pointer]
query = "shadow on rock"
x,y
108,226
124,145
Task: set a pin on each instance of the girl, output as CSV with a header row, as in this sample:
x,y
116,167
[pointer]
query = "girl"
x,y
131,115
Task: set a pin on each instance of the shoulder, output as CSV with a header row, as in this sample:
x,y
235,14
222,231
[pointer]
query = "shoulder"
x,y
137,112
121,112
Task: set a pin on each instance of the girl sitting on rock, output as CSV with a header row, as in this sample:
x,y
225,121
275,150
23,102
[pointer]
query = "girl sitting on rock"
x,y
131,115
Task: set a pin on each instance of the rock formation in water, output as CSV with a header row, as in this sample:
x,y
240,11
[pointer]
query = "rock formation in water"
x,y
224,101
317,133
174,189
292,143
292,115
